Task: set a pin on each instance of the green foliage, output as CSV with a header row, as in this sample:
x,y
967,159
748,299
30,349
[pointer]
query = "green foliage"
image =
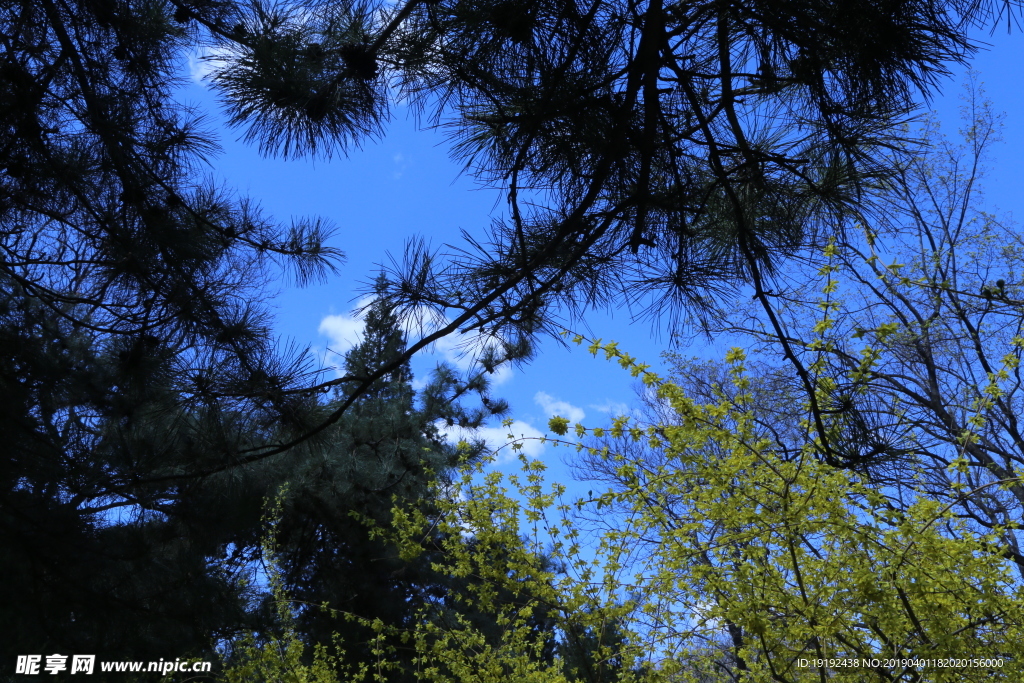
x,y
904,372
721,559
279,658
559,425
432,645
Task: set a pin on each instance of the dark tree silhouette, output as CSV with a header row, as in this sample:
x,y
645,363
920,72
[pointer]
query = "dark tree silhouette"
x,y
133,349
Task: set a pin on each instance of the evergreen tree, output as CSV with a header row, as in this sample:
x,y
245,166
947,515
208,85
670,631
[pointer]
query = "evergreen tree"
x,y
383,451
132,350
386,450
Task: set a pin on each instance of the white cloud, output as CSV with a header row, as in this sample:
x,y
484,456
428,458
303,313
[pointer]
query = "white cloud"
x,y
201,64
401,163
345,331
459,350
552,407
613,408
702,616
497,439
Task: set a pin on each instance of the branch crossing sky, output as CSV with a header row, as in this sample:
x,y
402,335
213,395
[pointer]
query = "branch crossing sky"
x,y
405,184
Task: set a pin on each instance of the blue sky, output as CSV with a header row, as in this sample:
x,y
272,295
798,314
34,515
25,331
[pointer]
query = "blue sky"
x,y
405,184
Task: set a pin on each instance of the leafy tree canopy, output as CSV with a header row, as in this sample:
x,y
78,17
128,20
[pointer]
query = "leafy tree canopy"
x,y
912,376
